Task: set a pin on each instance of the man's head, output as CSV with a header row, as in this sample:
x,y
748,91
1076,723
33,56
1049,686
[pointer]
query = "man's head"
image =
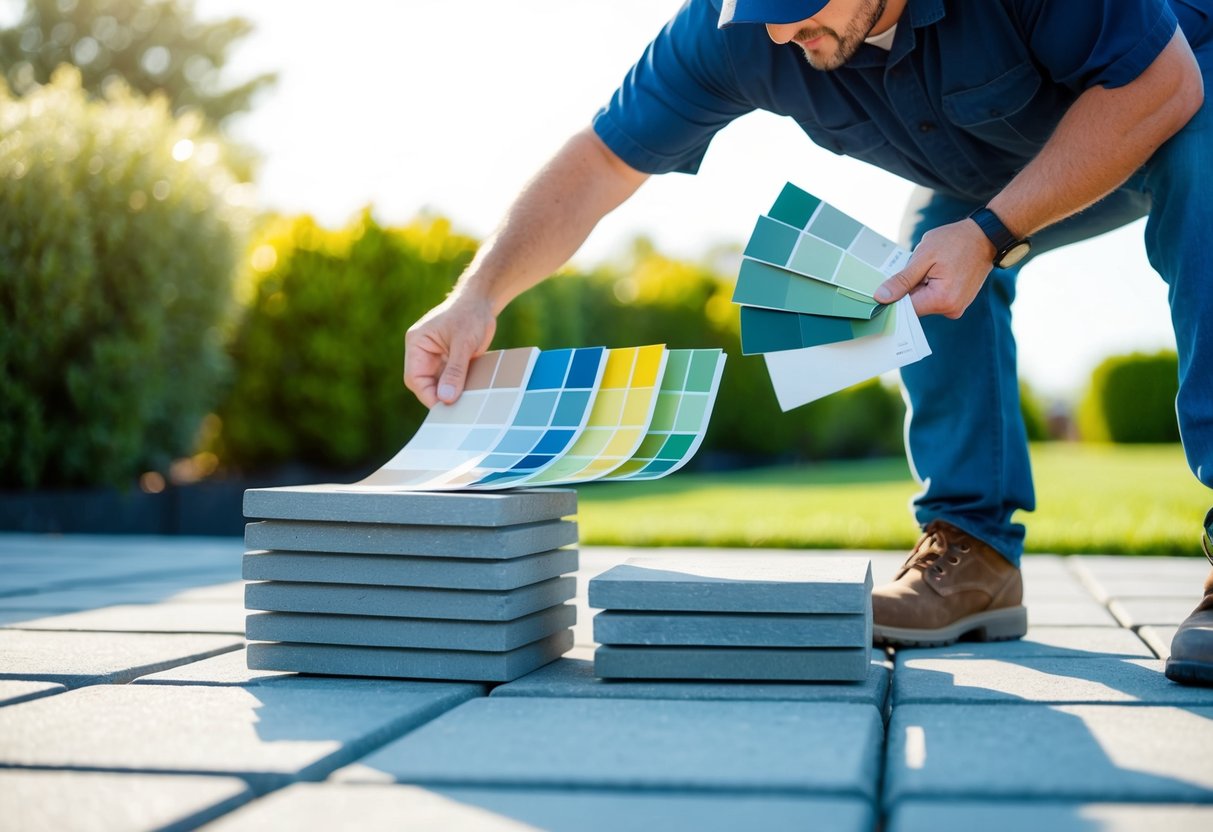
x,y
830,33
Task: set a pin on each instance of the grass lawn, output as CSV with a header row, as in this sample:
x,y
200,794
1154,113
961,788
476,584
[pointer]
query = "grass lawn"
x,y
1106,499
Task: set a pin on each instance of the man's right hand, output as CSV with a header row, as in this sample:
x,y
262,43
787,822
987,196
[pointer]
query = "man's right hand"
x,y
441,345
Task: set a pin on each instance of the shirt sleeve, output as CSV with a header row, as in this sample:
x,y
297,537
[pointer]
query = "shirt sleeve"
x,y
680,93
1088,43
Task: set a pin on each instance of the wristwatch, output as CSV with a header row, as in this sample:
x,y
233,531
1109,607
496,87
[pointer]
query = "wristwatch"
x,y
1008,249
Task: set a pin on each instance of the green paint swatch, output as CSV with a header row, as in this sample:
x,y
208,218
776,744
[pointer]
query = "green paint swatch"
x,y
816,258
703,370
761,284
858,275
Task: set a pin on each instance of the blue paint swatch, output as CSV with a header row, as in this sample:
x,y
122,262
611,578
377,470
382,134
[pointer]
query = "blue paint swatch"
x,y
585,367
549,370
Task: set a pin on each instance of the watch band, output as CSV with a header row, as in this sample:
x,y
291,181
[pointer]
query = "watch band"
x,y
1008,249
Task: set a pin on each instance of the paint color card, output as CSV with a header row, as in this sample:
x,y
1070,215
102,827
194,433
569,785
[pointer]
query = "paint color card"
x,y
680,419
763,285
618,421
815,239
550,419
769,330
454,437
804,375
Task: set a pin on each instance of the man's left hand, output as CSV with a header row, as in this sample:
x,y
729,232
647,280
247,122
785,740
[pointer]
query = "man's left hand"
x,y
945,271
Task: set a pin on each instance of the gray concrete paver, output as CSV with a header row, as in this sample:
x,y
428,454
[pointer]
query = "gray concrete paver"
x,y
1137,612
331,503
84,658
419,541
569,678
391,807
175,589
407,663
1158,638
1193,568
168,617
1133,753
1069,612
653,745
227,669
967,815
268,735
95,801
13,691
1041,680
1075,642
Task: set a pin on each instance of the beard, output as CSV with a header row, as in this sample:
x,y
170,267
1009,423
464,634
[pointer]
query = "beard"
x,y
846,43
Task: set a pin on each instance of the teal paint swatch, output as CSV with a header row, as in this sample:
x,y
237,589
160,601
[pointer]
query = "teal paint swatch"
x,y
769,330
763,285
794,206
772,241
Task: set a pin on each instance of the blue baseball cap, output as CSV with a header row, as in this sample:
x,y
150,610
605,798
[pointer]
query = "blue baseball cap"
x,y
768,11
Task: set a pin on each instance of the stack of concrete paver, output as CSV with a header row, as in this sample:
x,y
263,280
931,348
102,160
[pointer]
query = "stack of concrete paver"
x,y
759,618
456,586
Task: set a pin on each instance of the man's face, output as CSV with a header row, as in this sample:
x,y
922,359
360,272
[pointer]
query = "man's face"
x,y
832,36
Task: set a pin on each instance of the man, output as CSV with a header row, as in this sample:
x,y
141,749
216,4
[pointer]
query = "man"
x,y
1054,120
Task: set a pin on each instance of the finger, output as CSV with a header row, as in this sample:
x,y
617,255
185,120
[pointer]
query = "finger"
x,y
450,386
900,284
421,369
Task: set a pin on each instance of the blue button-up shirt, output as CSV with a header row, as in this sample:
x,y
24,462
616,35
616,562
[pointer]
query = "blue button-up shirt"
x,y
968,95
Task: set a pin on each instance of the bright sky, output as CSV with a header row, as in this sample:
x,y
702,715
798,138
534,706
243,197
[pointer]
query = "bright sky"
x,y
451,106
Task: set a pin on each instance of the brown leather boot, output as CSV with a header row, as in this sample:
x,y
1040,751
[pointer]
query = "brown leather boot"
x,y
951,585
1191,661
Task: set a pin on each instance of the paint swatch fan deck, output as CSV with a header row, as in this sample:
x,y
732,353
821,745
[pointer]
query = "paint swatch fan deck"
x,y
561,417
806,287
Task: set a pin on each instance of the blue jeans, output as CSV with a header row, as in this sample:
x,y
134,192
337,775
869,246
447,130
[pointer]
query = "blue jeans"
x,y
965,435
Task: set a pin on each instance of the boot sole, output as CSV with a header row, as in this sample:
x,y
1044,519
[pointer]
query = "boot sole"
x,y
997,625
1190,673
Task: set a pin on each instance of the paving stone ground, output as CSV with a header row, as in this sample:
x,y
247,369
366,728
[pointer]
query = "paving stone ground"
x,y
126,703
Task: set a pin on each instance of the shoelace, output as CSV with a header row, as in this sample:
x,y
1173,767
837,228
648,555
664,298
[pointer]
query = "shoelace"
x,y
933,546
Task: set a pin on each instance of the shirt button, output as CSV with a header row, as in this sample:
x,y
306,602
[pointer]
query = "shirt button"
x,y
926,126
995,113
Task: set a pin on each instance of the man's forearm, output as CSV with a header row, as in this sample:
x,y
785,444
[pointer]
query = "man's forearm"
x,y
549,220
1104,137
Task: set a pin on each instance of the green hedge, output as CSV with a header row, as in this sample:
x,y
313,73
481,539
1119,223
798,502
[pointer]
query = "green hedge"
x,y
319,349
1131,399
118,240
320,346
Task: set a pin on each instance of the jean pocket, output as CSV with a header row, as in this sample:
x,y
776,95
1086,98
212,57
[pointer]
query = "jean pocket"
x,y
998,110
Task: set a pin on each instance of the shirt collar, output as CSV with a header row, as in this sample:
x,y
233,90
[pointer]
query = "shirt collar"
x,y
920,13
925,12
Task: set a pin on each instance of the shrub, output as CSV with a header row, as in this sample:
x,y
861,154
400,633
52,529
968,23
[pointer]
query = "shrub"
x,y
1131,398
118,238
320,346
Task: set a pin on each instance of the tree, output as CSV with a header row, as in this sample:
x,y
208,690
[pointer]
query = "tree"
x,y
155,46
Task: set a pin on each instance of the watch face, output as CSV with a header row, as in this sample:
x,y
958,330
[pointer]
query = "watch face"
x,y
1014,254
